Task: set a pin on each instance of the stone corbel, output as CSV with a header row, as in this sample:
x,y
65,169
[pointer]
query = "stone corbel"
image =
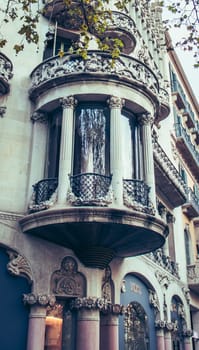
x,y
19,266
2,111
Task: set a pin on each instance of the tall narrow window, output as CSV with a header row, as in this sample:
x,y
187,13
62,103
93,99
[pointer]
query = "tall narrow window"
x,y
131,147
91,154
52,166
187,246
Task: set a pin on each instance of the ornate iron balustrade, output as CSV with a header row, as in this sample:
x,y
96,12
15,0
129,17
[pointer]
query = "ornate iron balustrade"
x,y
136,195
43,194
164,261
168,167
176,87
193,274
57,71
5,73
191,207
181,133
90,189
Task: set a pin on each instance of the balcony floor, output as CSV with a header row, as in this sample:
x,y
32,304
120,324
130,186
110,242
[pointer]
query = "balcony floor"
x,y
97,235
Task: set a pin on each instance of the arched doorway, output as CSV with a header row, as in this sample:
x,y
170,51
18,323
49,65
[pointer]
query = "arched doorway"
x,y
137,325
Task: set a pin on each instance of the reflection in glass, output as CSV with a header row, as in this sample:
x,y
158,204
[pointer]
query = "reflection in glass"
x,y
54,321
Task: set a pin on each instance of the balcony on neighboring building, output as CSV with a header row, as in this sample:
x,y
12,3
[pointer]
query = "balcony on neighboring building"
x,y
169,182
193,276
5,74
189,115
191,207
179,94
188,151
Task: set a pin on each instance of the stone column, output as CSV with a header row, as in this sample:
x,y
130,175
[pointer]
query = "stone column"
x,y
38,146
160,339
168,340
116,149
36,328
37,319
145,121
87,329
66,148
187,343
109,329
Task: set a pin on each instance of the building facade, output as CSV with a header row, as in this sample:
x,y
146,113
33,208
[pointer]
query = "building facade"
x,y
99,206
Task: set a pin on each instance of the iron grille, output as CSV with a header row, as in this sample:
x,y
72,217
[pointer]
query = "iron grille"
x,y
90,186
137,190
44,189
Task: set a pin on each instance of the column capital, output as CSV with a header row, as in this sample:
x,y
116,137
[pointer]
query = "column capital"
x,y
38,116
39,299
68,102
145,119
116,102
93,303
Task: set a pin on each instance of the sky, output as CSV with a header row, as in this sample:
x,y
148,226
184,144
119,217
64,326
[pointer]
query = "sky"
x,y
187,61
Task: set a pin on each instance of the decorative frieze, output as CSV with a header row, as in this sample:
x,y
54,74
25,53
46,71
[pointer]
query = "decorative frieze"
x,y
39,299
19,266
68,281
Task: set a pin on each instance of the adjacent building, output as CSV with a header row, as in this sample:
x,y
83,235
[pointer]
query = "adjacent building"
x,y
99,206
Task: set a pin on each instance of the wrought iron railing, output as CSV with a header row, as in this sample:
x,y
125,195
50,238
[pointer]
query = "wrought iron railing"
x,y
136,195
90,189
164,261
181,132
44,189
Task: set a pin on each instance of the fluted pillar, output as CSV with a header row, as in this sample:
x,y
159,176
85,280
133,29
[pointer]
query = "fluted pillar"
x,y
116,149
66,148
145,121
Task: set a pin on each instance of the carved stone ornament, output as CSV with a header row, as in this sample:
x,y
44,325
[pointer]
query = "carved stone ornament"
x,y
68,102
93,303
40,299
163,279
159,324
68,281
107,285
40,117
19,266
116,102
186,292
2,111
33,207
153,300
145,119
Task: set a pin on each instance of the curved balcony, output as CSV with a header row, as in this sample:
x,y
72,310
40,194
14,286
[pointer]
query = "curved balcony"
x,y
191,207
119,25
5,74
89,225
98,66
188,151
169,182
193,276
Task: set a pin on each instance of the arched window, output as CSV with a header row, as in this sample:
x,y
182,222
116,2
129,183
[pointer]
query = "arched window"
x,y
136,328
